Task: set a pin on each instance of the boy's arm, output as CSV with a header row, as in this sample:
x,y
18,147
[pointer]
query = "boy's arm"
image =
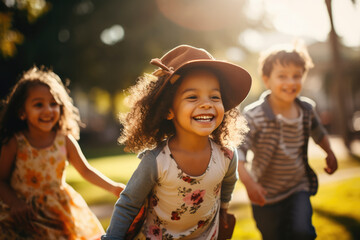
x,y
331,161
254,190
319,134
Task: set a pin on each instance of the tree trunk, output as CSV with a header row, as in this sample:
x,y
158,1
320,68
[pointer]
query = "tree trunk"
x,y
338,89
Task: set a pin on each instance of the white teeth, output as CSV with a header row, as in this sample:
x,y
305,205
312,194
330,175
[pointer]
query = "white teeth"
x,y
203,118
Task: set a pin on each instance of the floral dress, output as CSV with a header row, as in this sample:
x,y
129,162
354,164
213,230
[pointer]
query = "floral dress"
x,y
38,178
183,206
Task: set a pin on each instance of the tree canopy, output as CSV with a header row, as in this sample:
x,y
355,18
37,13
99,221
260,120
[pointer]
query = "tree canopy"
x,y
110,43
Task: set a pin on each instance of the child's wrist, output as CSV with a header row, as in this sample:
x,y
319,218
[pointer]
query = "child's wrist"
x,y
329,152
224,205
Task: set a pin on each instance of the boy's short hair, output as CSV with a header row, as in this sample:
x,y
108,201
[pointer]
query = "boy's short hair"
x,y
296,54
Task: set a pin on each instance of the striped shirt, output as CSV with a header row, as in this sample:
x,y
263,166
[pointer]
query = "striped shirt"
x,y
280,148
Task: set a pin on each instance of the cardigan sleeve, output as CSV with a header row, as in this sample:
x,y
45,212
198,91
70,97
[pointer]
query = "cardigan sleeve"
x,y
229,181
133,197
317,129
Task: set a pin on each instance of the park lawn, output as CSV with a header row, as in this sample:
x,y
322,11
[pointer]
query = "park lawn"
x,y
336,213
118,168
336,210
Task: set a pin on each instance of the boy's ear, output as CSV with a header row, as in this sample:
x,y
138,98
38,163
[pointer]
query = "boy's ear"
x,y
170,115
265,80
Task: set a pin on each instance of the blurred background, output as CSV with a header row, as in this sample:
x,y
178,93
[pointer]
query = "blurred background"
x,y
102,46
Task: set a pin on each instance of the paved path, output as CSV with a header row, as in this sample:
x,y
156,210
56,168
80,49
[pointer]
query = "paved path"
x,y
105,211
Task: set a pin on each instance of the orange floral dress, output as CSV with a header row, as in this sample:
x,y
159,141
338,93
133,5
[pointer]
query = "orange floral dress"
x,y
39,178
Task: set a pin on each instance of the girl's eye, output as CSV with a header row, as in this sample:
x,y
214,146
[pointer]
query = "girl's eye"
x,y
191,97
38,105
54,104
215,97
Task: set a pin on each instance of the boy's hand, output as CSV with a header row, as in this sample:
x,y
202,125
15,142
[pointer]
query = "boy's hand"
x,y
223,217
331,163
256,193
254,190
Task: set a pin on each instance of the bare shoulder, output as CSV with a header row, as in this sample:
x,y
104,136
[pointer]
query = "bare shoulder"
x,y
10,146
71,144
7,157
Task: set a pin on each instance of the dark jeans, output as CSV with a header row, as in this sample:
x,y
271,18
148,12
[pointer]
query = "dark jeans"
x,y
288,219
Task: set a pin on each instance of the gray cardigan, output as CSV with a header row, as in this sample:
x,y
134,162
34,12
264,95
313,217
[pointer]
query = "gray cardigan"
x,y
140,186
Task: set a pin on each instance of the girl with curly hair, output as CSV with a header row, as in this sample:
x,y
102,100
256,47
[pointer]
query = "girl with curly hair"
x,y
184,118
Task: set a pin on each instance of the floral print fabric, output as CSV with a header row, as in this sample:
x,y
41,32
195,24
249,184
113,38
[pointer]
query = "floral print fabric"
x,y
38,177
184,206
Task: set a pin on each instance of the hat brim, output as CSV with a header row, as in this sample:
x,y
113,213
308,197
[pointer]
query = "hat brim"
x,y
235,81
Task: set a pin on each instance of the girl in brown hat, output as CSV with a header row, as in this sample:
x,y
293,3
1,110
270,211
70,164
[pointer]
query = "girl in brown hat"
x,y
186,112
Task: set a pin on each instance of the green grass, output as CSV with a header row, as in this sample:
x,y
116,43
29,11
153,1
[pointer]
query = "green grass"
x,y
118,168
336,206
336,213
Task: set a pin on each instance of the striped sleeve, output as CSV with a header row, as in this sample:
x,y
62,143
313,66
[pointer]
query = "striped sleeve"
x,y
317,129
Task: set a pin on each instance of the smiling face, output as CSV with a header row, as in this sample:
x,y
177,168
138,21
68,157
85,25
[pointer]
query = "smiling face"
x,y
41,111
285,82
197,108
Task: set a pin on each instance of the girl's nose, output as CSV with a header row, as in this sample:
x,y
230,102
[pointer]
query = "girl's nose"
x,y
206,104
48,108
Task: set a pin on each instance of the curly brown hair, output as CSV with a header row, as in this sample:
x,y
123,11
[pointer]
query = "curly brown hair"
x,y
296,54
146,126
10,122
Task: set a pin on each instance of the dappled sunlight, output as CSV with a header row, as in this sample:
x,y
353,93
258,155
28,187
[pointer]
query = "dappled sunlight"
x,y
252,39
112,35
9,37
356,121
202,15
101,99
342,227
120,103
336,210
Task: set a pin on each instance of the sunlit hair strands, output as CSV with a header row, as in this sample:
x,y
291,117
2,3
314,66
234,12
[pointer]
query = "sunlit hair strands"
x,y
285,54
12,106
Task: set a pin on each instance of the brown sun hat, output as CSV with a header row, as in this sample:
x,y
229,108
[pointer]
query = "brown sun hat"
x,y
234,80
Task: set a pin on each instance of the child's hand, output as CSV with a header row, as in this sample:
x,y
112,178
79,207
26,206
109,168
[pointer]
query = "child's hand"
x,y
23,215
254,190
256,193
118,189
223,217
331,163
